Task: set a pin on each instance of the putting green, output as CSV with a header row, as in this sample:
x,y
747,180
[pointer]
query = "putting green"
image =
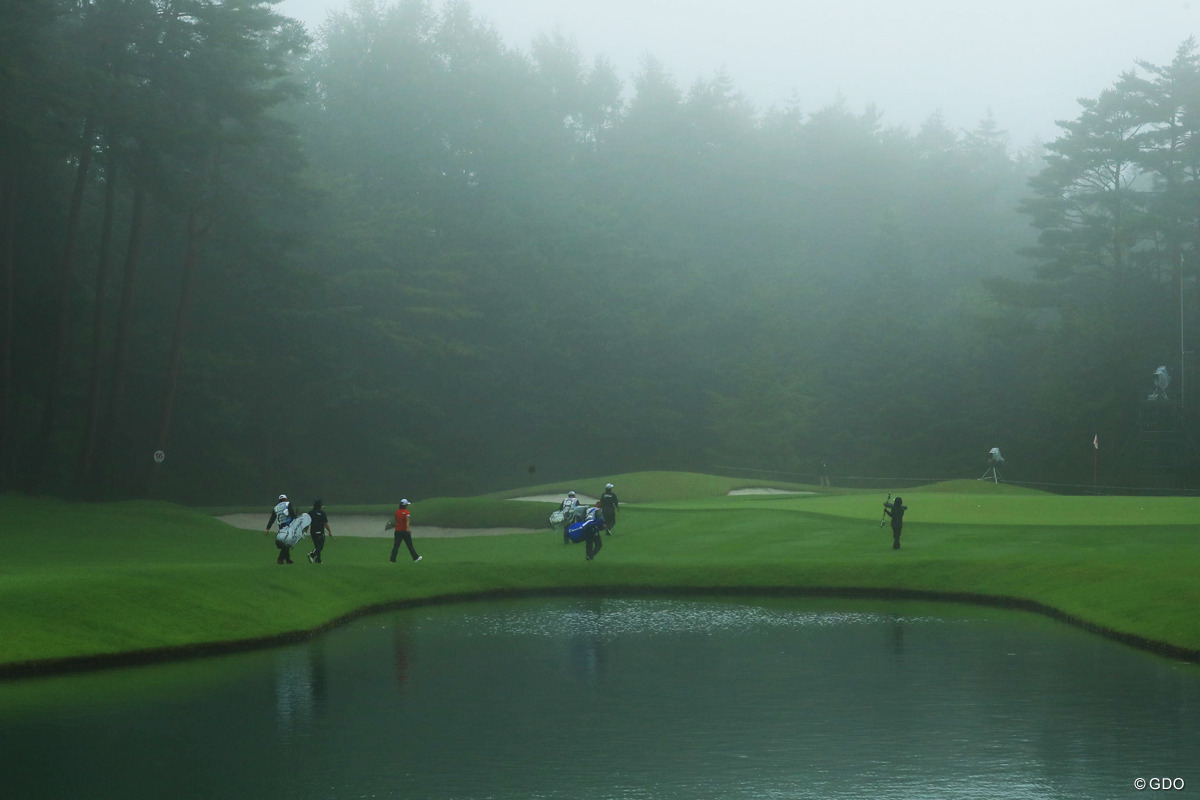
x,y
977,509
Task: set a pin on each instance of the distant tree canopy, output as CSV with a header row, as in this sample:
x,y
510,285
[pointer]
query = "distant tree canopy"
x,y
408,258
1117,209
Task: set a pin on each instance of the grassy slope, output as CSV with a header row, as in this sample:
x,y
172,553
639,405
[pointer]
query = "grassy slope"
x,y
85,580
636,487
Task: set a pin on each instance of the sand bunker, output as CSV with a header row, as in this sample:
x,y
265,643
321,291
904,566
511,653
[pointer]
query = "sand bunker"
x,y
765,490
372,527
558,498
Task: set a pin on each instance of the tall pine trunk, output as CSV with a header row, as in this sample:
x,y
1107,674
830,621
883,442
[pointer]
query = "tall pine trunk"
x,y
8,209
91,426
109,433
195,232
62,330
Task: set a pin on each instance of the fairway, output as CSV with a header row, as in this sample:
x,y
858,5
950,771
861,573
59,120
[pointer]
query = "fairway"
x,y
91,585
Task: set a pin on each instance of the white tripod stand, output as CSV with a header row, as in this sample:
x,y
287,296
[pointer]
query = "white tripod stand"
x,y
994,461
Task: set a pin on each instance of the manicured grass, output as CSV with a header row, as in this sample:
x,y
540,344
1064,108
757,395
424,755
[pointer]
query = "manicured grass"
x,y
85,583
641,487
935,505
634,487
487,512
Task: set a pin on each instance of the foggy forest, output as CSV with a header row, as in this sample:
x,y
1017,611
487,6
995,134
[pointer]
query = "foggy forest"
x,y
399,255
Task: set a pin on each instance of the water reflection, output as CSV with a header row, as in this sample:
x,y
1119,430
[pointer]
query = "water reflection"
x,y
595,698
401,647
587,641
302,679
898,639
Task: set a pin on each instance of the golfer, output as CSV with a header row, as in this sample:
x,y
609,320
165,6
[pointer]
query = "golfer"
x,y
320,524
608,508
895,509
402,533
282,514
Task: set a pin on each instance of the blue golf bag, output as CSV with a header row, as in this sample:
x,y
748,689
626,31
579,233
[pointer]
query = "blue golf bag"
x,y
582,530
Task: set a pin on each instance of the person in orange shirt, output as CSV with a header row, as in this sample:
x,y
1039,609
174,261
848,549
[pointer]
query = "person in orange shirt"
x,y
402,533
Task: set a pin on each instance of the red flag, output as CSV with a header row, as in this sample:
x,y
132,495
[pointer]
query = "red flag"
x,y
1096,442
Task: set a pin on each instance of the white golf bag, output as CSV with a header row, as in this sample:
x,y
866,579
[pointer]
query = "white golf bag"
x,y
293,532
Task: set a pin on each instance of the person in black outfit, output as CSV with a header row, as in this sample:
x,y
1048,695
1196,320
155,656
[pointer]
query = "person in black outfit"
x,y
593,541
608,508
895,509
320,525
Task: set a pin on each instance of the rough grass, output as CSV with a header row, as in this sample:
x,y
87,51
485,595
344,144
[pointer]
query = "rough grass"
x,y
81,584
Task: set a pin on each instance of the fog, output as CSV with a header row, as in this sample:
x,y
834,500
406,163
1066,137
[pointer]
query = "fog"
x,y
482,270
1024,61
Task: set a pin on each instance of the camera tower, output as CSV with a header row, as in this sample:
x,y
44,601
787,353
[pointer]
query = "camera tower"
x,y
994,462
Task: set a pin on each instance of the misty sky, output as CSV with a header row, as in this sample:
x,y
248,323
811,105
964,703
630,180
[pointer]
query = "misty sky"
x,y
1027,61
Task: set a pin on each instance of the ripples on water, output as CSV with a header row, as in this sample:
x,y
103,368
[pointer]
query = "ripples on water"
x,y
637,617
657,699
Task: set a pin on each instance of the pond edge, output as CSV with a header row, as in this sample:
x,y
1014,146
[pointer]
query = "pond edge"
x,y
134,658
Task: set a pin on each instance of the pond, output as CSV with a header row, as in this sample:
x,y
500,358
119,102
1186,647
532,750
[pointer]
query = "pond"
x,y
625,698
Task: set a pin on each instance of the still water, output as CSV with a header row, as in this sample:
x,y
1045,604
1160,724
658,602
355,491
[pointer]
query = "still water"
x,y
596,698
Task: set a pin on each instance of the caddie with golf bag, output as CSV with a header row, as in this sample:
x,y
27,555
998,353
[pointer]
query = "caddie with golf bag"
x,y
588,530
292,528
569,512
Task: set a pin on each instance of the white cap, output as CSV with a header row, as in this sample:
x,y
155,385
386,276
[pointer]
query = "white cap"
x,y
403,502
283,497
608,486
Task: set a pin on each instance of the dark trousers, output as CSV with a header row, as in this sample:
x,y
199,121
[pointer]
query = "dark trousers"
x,y
285,552
318,545
594,543
896,537
406,537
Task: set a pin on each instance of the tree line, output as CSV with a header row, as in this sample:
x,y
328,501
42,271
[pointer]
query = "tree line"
x,y
398,254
